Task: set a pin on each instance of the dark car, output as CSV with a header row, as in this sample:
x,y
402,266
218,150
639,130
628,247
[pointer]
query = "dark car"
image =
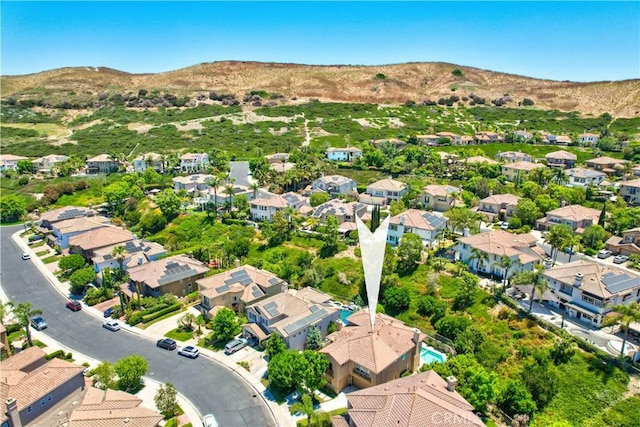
x,y
166,343
74,305
108,312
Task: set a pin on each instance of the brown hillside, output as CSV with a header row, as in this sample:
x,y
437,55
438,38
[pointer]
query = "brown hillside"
x,y
412,81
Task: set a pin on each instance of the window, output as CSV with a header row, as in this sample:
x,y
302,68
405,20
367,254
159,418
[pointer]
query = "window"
x,y
49,398
362,371
43,402
29,410
626,297
592,301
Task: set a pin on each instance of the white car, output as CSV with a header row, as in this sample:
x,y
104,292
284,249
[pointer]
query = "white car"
x,y
189,351
111,325
602,254
26,256
209,421
504,226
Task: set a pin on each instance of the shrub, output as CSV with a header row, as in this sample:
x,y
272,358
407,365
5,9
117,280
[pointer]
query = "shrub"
x,y
458,72
149,317
134,319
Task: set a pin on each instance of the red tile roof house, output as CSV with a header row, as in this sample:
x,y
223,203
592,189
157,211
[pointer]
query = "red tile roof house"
x,y
30,385
419,400
387,189
628,244
263,208
498,207
519,170
175,275
439,197
48,219
87,243
577,217
364,358
561,158
630,191
64,231
607,164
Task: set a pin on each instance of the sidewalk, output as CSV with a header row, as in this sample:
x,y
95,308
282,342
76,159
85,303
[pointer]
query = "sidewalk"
x,y
155,332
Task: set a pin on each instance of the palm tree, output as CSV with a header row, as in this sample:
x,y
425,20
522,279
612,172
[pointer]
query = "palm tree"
x,y
214,182
625,315
304,406
506,264
119,253
479,257
187,321
534,278
559,176
5,309
574,244
557,236
23,313
228,190
255,187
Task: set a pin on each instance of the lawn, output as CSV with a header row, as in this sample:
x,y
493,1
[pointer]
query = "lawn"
x,y
179,335
43,129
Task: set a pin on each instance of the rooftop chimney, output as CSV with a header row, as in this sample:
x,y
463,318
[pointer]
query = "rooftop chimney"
x,y
563,203
12,411
140,260
339,324
451,383
578,281
416,336
284,287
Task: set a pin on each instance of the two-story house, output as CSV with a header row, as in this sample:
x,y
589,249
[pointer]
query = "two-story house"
x,y
364,358
425,224
87,243
630,191
137,252
237,288
192,183
439,197
48,219
587,290
387,189
149,160
429,139
498,207
523,134
453,138
9,162
397,143
263,208
588,138
487,137
342,211
628,244
347,154
519,170
102,163
561,158
47,164
521,249
577,217
65,230
291,315
514,156
607,164
194,162
175,275
335,185
581,177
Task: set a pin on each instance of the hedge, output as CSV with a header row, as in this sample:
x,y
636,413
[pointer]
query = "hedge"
x,y
13,327
59,354
149,317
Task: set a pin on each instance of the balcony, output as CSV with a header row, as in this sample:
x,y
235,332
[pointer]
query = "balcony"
x,y
364,375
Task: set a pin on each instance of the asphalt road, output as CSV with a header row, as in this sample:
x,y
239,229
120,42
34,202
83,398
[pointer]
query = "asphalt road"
x,y
212,388
240,173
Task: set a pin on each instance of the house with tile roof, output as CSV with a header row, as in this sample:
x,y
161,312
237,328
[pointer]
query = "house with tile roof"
x,y
582,177
577,217
453,138
424,399
334,185
194,162
87,243
395,142
427,225
521,249
561,158
388,189
137,252
498,207
487,137
365,358
175,275
523,134
514,156
148,160
263,208
630,191
63,231
588,290
102,163
277,158
607,164
47,219
342,211
431,140
192,183
628,244
31,385
47,164
237,288
439,197
9,162
347,154
588,138
291,315
112,408
519,170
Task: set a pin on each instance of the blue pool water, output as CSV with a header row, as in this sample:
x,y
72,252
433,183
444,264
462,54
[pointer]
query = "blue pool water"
x,y
344,314
431,355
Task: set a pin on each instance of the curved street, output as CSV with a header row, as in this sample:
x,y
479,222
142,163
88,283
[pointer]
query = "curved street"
x,y
211,387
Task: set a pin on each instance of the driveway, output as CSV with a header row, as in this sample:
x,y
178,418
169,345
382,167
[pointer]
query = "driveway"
x,y
210,386
240,173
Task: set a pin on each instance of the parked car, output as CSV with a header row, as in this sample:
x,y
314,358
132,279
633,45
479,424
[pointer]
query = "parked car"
x,y
569,250
26,256
235,345
209,421
74,305
38,323
108,312
620,259
166,343
604,253
189,351
111,325
504,226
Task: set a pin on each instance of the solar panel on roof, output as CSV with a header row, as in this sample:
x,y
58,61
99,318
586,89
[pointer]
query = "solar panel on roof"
x,y
314,308
308,319
272,308
246,280
619,282
242,272
171,265
274,281
256,291
221,289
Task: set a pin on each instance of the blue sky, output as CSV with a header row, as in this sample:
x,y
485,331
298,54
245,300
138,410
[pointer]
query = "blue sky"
x,y
578,41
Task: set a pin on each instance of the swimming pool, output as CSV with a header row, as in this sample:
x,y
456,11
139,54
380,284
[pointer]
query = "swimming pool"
x,y
430,355
344,314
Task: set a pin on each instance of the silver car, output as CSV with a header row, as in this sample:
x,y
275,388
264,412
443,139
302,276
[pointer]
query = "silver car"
x,y
111,325
189,351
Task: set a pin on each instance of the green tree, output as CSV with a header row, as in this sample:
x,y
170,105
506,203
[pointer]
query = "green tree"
x,y
594,236
130,371
557,237
314,338
241,205
516,399
304,406
452,326
470,340
104,375
625,315
225,325
169,203
396,299
409,253
527,211
330,237
23,313
215,182
229,191
152,222
317,199
71,263
282,369
506,264
12,209
467,288
5,310
562,351
545,203
24,166
541,379
603,215
275,345
81,278
276,231
478,256
432,307
309,368
533,278
559,176
396,207
119,252
115,194
166,400
461,218
375,219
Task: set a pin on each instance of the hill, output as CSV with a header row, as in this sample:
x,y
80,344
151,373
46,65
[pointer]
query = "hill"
x,y
387,84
